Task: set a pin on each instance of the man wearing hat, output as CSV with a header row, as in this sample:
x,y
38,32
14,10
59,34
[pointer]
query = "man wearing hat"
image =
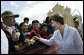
x,y
76,24
8,27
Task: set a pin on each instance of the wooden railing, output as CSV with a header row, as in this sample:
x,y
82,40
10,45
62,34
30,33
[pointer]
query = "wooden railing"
x,y
36,48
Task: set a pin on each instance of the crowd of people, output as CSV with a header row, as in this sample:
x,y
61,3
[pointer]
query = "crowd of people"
x,y
44,32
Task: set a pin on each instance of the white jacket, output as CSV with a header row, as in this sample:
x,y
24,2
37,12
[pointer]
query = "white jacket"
x,y
4,43
71,43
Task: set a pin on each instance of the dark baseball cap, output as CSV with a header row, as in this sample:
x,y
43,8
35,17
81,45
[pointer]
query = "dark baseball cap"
x,y
9,14
76,21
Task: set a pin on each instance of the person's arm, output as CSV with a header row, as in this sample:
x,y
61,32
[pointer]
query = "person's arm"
x,y
49,42
78,43
50,35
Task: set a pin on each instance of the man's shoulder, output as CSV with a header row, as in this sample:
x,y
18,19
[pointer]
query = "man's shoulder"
x,y
80,29
71,29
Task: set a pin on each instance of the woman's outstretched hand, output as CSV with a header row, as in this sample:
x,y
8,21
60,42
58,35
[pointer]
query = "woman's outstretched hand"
x,y
36,38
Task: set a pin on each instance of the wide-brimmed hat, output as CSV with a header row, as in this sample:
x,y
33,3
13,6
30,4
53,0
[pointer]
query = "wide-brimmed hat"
x,y
9,14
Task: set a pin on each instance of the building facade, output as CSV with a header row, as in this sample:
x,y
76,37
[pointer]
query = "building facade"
x,y
66,13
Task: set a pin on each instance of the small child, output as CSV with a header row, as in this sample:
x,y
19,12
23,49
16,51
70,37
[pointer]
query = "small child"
x,y
36,29
44,29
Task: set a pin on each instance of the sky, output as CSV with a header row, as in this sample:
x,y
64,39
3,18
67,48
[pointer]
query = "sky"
x,y
37,10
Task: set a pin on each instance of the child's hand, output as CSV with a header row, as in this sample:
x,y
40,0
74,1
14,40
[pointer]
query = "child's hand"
x,y
26,41
16,36
17,47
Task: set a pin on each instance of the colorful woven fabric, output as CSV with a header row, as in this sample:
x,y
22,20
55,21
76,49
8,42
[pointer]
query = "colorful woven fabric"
x,y
37,48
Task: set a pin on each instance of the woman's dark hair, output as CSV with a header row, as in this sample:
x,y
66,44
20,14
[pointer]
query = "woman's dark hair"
x,y
35,21
58,18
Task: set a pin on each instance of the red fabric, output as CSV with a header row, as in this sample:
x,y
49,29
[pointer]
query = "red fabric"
x,y
13,29
44,35
36,32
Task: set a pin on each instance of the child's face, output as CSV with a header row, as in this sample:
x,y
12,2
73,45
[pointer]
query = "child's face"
x,y
24,27
36,25
26,21
44,29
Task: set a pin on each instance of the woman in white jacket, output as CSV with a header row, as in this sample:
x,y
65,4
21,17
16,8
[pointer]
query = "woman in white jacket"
x,y
67,38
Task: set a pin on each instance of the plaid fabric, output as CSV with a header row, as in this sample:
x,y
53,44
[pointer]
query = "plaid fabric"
x,y
37,48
